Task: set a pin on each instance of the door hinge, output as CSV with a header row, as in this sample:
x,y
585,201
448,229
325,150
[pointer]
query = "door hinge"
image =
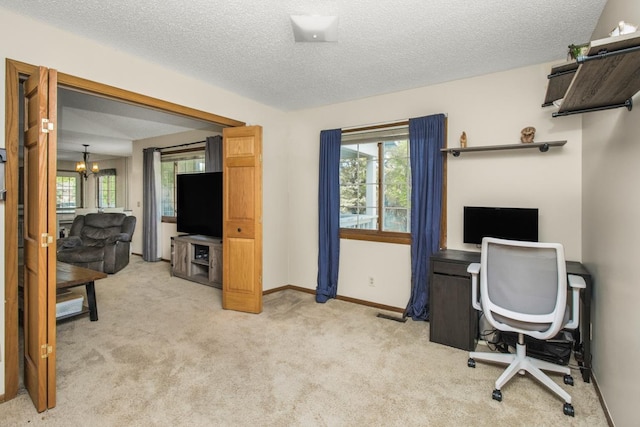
x,y
45,351
260,158
47,126
45,240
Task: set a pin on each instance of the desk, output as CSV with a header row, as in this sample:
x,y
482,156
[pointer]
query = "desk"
x,y
453,321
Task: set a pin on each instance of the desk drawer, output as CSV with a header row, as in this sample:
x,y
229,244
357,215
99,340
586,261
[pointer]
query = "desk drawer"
x,y
450,268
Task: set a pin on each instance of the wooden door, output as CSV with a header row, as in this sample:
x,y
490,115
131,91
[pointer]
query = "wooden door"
x,y
39,244
242,219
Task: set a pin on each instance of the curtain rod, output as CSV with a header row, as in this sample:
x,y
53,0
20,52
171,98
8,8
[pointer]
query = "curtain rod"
x,y
182,145
381,125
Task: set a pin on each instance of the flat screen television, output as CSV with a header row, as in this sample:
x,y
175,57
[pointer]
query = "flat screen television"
x,y
199,203
503,223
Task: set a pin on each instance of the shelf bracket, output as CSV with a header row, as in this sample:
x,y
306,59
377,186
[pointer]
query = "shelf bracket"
x,y
628,104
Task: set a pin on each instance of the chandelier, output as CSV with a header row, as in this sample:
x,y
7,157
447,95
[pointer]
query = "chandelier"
x,y
81,167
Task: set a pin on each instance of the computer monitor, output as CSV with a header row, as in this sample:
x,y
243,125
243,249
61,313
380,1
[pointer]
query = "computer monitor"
x,y
500,222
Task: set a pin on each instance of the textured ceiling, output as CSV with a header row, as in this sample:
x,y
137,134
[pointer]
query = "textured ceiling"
x,y
384,46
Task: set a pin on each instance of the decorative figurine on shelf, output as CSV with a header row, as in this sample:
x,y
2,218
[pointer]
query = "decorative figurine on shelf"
x,y
527,134
623,28
463,140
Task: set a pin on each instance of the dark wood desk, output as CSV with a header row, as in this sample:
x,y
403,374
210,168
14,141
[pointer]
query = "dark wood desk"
x,y
69,276
453,321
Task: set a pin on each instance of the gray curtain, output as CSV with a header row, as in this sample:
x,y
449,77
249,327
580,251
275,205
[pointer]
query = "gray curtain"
x,y
151,209
213,154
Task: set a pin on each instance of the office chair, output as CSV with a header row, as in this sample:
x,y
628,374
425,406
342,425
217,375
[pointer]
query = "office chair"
x,y
523,289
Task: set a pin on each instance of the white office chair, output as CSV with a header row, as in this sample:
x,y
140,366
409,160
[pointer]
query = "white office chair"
x,y
523,289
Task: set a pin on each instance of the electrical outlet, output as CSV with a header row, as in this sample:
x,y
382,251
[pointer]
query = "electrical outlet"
x,y
371,281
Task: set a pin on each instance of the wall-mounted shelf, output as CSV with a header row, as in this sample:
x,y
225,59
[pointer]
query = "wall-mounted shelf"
x,y
542,146
607,77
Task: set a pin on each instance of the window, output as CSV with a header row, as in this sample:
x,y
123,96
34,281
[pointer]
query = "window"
x,y
106,183
375,185
186,161
67,190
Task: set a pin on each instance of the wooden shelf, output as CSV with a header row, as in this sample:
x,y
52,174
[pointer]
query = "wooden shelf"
x,y
605,78
542,146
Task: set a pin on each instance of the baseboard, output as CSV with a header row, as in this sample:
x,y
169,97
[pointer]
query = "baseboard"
x,y
339,297
603,404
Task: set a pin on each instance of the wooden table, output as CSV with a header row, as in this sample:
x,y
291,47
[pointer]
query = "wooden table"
x,y
69,276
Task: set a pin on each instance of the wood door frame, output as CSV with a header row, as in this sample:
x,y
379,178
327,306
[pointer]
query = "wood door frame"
x,y
14,70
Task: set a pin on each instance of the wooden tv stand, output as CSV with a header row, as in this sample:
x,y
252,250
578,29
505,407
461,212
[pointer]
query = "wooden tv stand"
x,y
197,258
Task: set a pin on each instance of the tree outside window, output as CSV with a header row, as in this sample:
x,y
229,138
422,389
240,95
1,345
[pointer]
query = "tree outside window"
x,y
173,164
375,183
106,188
67,190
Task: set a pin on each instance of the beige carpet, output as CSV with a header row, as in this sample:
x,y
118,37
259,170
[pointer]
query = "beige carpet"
x,y
164,353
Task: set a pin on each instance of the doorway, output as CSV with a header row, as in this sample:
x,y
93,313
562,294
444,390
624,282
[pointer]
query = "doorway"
x,y
16,70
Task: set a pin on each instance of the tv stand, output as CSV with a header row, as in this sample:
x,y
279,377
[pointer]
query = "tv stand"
x,y
197,258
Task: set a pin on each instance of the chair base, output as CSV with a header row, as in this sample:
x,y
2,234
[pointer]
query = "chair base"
x,y
521,363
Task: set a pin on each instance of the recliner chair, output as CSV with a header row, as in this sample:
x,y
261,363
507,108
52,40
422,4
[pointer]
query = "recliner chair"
x,y
99,241
523,289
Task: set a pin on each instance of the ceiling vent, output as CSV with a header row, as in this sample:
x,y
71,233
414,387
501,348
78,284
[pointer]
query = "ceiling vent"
x,y
315,28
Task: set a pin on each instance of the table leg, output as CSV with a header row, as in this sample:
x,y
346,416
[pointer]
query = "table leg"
x,y
91,301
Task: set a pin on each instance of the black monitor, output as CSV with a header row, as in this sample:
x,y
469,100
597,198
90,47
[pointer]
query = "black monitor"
x,y
500,222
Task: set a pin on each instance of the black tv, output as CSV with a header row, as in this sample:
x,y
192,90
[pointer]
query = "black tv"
x,y
199,203
504,223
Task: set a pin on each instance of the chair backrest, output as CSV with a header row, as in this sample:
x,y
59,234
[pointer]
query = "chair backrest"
x,y
94,228
523,286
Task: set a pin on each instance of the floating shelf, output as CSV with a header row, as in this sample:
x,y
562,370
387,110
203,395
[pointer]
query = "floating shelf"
x,y
607,77
542,146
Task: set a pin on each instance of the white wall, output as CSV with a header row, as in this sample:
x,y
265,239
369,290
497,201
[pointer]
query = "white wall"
x,y
492,110
33,42
610,238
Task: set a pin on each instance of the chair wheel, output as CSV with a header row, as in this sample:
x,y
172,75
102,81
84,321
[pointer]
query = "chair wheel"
x,y
497,395
471,363
568,379
568,410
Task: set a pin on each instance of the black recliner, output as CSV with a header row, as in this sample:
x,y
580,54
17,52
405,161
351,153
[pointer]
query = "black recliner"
x,y
99,241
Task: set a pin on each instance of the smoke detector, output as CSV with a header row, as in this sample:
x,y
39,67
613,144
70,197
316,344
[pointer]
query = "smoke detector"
x,y
315,28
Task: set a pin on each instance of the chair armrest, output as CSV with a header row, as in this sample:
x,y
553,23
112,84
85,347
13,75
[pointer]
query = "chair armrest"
x,y
121,237
68,242
576,283
474,270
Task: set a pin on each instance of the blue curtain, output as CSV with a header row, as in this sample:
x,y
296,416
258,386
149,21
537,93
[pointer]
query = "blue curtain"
x,y
426,138
329,215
